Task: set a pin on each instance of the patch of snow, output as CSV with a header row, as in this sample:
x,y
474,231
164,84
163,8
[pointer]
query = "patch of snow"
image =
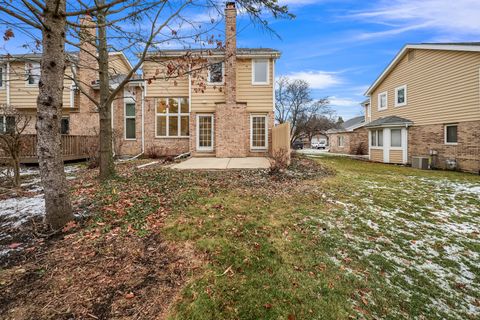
x,y
16,211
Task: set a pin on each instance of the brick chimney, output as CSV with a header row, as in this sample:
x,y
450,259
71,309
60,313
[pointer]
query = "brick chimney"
x,y
230,53
87,67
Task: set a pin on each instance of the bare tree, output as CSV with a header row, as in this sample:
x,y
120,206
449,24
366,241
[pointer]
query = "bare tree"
x,y
12,125
295,105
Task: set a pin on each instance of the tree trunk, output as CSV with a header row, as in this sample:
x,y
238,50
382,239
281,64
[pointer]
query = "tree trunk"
x,y
49,111
107,168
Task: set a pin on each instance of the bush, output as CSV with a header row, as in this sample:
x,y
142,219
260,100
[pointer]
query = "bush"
x,y
279,161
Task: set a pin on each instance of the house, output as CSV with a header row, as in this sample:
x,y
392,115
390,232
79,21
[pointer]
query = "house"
x,y
20,75
350,138
206,102
426,103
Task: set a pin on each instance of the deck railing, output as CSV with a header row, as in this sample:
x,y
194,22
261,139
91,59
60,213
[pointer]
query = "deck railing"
x,y
74,147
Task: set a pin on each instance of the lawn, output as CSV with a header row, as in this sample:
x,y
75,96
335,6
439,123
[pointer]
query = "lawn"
x,y
333,238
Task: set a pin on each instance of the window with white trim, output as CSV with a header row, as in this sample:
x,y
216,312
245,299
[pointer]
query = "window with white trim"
x,y
401,96
341,141
216,72
396,138
172,117
451,134
258,132
382,101
376,138
130,126
32,70
260,69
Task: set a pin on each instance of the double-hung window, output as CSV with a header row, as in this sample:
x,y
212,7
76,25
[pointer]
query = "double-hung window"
x,y
396,138
260,70
32,70
451,134
216,72
258,132
382,101
376,138
172,117
401,96
130,127
340,141
7,124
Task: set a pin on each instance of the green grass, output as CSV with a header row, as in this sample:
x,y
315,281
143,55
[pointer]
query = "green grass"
x,y
371,241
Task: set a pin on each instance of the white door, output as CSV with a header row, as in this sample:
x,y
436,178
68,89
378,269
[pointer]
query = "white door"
x,y
205,132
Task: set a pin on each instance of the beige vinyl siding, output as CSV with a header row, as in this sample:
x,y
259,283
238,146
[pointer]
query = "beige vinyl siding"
x,y
25,97
442,87
396,156
117,65
376,155
259,98
161,87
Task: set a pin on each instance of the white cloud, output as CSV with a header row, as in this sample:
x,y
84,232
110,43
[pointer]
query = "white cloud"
x,y
344,102
317,79
455,19
297,2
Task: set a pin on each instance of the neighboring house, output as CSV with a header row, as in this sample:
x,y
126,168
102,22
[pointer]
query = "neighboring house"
x,y
350,138
20,75
427,103
230,114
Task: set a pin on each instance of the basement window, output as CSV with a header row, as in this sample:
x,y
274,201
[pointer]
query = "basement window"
x,y
172,118
258,132
216,72
451,134
32,70
260,71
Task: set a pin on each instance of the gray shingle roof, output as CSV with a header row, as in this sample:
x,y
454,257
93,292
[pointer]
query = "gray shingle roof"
x,y
390,120
349,125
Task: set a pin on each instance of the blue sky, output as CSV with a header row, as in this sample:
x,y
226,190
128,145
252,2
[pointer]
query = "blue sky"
x,y
341,46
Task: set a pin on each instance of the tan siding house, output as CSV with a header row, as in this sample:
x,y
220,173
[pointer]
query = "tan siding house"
x,y
427,103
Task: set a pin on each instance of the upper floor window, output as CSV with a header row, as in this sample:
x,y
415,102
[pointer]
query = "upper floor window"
x,y
382,100
216,72
172,117
451,134
260,71
32,70
401,96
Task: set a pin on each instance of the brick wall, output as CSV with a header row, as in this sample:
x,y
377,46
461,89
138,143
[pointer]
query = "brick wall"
x,y
355,142
422,139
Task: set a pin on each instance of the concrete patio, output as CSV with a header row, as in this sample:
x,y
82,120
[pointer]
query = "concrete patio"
x,y
223,163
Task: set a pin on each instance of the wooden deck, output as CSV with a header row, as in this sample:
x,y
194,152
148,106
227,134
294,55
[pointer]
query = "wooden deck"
x,y
73,148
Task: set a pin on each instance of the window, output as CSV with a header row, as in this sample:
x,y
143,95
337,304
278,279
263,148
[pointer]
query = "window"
x,y
260,71
396,138
401,96
451,134
2,75
340,141
65,125
258,132
130,128
173,118
382,101
376,138
7,124
216,73
32,73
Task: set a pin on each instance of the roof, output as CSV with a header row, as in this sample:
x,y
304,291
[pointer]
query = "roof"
x,y
242,52
71,56
450,46
389,121
349,125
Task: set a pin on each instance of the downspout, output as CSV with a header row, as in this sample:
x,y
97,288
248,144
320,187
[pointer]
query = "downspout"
x,y
111,120
7,86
